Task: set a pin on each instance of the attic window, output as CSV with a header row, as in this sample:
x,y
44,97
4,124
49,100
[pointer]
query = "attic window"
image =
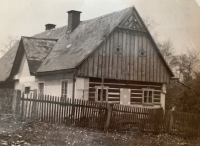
x,y
118,50
142,53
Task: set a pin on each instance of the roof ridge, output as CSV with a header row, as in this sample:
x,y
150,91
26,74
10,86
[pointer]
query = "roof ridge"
x,y
106,15
85,21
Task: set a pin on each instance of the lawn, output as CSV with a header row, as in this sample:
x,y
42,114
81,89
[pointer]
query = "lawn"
x,y
39,133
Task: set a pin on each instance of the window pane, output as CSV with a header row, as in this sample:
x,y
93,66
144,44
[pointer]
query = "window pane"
x,y
41,88
104,94
27,90
145,93
145,99
150,99
150,93
64,89
99,94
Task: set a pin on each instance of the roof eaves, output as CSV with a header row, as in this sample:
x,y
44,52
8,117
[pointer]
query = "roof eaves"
x,y
55,71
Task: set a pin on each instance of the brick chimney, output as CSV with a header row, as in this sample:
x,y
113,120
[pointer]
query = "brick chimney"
x,y
73,20
50,26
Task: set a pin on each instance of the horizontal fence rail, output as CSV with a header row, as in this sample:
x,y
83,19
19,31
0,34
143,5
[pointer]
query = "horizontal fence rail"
x,y
126,117
185,124
53,109
106,116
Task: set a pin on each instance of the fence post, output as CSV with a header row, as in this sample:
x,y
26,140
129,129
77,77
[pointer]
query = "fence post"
x,y
108,116
16,103
22,106
171,118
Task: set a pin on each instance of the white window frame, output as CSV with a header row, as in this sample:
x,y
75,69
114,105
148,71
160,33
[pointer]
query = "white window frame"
x,y
96,92
147,90
39,88
64,80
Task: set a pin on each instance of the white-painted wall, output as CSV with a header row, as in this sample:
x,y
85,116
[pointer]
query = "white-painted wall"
x,y
24,77
82,86
52,83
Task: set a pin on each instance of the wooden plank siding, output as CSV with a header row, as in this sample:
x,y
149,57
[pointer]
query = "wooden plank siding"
x,y
128,64
114,90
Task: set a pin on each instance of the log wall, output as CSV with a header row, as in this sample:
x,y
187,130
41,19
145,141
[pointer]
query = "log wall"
x,y
114,90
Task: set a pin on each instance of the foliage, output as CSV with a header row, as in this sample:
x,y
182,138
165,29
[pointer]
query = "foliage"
x,y
191,96
185,97
6,97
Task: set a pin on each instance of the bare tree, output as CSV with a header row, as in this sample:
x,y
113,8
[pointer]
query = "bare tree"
x,y
151,24
7,46
166,48
186,65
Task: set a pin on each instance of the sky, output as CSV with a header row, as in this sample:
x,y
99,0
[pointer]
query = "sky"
x,y
178,20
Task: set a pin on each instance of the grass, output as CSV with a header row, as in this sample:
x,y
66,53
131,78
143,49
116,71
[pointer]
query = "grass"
x,y
39,133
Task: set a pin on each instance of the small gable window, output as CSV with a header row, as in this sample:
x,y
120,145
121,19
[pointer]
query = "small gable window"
x,y
118,49
142,53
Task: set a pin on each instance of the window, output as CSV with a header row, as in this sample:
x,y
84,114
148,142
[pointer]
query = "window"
x,y
142,53
64,84
27,90
148,96
98,94
118,49
41,88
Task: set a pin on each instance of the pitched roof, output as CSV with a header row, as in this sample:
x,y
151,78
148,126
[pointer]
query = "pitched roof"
x,y
70,49
6,62
37,50
73,47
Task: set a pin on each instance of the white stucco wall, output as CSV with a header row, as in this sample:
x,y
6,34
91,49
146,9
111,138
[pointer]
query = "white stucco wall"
x,y
82,86
52,83
24,77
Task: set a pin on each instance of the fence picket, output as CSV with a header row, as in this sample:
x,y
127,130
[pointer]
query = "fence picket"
x,y
93,115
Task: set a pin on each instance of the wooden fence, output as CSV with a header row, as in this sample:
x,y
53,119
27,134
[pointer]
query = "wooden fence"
x,y
126,117
53,109
184,124
98,115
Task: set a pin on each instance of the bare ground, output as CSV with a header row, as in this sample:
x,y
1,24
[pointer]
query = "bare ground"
x,y
49,134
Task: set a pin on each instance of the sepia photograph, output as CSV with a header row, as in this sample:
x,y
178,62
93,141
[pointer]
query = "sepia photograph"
x,y
100,73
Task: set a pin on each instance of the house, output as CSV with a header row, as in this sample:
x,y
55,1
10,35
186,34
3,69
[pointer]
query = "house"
x,y
110,58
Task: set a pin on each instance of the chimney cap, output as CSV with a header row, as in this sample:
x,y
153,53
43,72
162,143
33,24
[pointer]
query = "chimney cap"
x,y
74,11
49,24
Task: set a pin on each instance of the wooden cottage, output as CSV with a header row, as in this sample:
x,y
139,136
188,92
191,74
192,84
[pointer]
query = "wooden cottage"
x,y
110,58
